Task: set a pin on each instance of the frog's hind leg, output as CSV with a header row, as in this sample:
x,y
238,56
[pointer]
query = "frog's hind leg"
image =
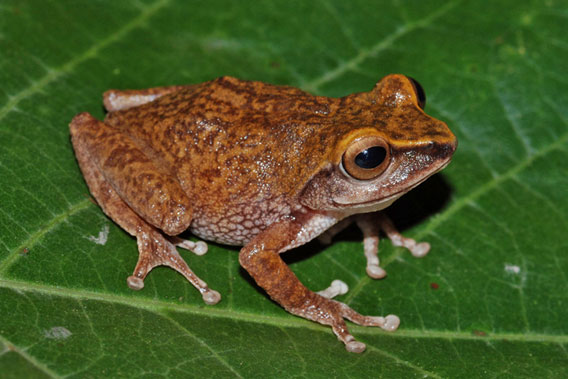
x,y
115,100
154,248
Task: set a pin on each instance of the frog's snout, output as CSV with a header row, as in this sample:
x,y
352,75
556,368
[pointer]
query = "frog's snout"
x,y
447,149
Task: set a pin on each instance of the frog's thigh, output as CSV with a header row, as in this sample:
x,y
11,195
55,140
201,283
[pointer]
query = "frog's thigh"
x,y
115,100
153,247
155,196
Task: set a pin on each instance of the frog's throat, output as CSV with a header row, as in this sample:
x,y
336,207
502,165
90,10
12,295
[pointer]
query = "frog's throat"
x,y
371,206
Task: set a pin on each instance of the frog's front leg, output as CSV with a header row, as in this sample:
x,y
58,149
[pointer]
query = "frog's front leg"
x,y
153,194
371,224
106,158
260,257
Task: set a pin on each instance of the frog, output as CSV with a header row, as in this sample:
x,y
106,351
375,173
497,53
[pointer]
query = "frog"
x,y
265,167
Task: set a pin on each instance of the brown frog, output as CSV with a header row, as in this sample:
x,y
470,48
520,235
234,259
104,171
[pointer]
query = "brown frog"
x,y
261,166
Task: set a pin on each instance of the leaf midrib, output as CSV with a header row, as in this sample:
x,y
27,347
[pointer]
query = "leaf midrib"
x,y
162,307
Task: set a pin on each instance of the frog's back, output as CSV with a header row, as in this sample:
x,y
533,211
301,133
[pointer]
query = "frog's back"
x,y
247,140
225,99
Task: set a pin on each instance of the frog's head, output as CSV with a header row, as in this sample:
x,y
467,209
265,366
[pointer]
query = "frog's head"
x,y
386,147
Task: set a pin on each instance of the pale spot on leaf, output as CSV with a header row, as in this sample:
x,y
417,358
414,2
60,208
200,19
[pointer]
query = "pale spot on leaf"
x,y
57,333
512,269
101,239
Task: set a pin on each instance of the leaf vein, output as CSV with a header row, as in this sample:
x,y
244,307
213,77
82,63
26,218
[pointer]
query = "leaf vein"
x,y
202,343
40,366
53,74
364,53
512,118
403,362
40,233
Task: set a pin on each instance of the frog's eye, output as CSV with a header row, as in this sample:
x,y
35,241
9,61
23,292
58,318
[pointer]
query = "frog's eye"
x,y
366,158
419,91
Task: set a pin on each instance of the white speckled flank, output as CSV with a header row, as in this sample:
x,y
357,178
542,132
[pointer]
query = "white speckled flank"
x,y
240,224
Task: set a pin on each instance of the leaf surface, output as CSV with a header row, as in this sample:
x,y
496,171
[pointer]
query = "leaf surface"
x,y
491,299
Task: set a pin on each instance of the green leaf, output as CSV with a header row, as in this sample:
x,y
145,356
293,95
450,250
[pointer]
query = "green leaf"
x,y
491,299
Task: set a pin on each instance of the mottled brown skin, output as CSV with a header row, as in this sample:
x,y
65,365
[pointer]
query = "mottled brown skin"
x,y
253,164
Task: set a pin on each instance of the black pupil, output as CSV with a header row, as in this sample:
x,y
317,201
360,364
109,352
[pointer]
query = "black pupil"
x,y
371,157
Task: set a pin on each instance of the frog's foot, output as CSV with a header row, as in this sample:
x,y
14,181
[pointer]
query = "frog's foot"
x,y
417,249
336,288
332,313
156,250
371,224
197,248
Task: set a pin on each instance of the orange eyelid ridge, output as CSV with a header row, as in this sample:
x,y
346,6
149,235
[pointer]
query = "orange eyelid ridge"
x,y
352,136
397,84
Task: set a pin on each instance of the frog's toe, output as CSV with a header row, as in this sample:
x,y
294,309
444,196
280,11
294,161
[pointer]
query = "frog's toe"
x,y
211,297
375,271
334,313
417,249
135,283
336,288
389,323
200,248
420,249
339,328
355,346
197,248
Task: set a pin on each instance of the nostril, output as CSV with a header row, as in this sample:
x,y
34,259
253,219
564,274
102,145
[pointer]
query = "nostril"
x,y
429,146
450,148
